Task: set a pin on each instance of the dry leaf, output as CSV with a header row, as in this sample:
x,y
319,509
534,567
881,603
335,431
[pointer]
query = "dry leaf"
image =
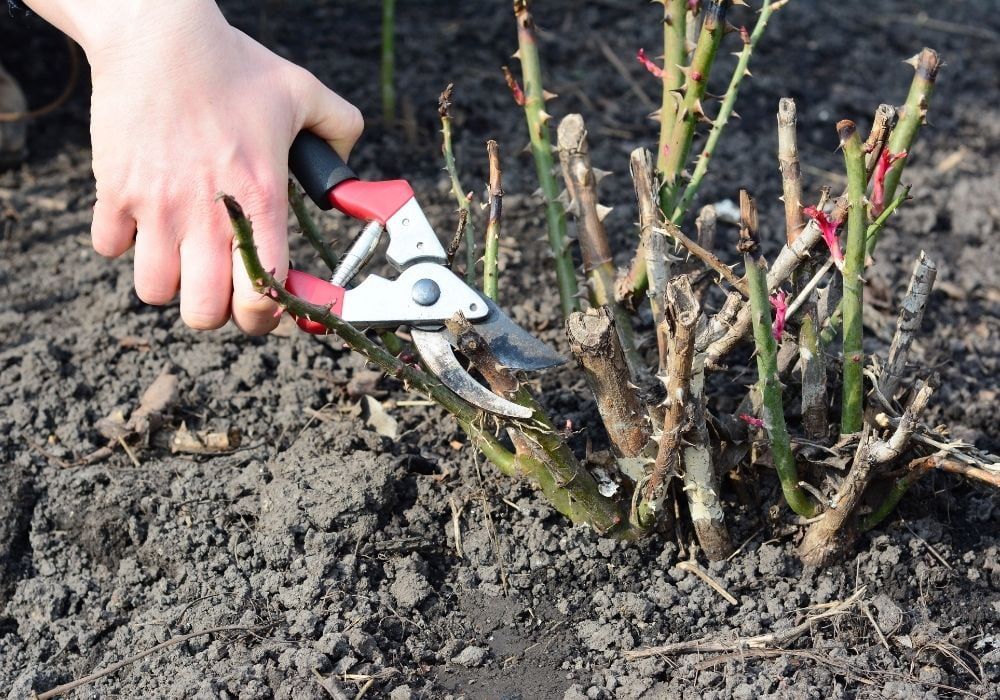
x,y
378,419
203,442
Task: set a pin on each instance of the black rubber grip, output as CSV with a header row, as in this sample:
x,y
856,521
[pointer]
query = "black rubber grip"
x,y
317,167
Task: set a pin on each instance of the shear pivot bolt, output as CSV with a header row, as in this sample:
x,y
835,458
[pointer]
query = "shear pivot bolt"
x,y
426,292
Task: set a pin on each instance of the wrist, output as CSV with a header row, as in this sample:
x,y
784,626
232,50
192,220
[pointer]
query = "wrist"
x,y
112,32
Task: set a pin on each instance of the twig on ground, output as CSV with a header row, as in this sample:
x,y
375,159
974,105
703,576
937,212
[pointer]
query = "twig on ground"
x,y
712,582
773,640
97,675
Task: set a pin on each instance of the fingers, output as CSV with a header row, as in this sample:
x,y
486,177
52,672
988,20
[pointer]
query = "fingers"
x,y
206,278
329,116
252,312
157,264
113,230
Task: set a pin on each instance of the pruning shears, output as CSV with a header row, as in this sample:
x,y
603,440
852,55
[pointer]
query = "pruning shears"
x,y
425,293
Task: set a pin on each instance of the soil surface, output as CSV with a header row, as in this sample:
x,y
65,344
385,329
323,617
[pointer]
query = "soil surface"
x,y
335,547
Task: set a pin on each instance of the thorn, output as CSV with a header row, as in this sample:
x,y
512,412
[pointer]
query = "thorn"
x,y
603,211
516,54
600,174
544,116
747,73
546,95
655,116
741,2
564,198
913,62
538,193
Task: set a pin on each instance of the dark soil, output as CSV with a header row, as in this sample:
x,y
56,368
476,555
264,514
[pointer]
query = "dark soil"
x,y
338,544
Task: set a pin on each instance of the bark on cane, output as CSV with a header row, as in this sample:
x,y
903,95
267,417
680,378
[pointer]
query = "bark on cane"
x,y
911,313
598,263
682,313
594,342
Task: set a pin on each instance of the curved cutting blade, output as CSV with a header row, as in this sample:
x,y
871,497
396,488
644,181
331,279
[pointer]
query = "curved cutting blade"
x,y
514,347
435,350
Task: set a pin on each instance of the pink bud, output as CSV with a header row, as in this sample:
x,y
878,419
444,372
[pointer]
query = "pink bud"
x,y
693,5
829,230
779,302
751,421
649,65
885,161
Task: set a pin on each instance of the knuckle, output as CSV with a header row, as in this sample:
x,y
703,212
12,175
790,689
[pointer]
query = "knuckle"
x,y
353,122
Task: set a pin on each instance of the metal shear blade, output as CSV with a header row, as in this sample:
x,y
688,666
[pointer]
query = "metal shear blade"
x,y
436,352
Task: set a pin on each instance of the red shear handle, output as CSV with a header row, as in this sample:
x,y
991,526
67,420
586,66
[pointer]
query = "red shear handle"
x,y
318,292
329,182
371,201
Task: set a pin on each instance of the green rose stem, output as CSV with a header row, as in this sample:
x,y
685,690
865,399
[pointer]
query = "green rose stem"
x,y
533,100
309,228
852,412
713,26
674,58
387,77
491,254
912,115
725,112
768,383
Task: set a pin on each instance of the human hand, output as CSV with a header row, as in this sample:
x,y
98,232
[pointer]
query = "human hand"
x,y
184,107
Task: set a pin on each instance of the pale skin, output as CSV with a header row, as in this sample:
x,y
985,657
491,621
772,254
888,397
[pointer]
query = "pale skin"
x,y
185,107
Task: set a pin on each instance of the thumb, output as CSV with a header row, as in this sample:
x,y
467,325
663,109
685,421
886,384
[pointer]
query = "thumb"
x,y
329,116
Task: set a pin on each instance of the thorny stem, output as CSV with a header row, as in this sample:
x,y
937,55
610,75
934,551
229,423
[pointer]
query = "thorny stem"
x,y
652,251
596,346
674,58
851,416
541,149
710,260
309,228
713,26
814,396
542,454
831,326
492,247
387,78
598,263
461,198
769,383
682,312
913,114
725,112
